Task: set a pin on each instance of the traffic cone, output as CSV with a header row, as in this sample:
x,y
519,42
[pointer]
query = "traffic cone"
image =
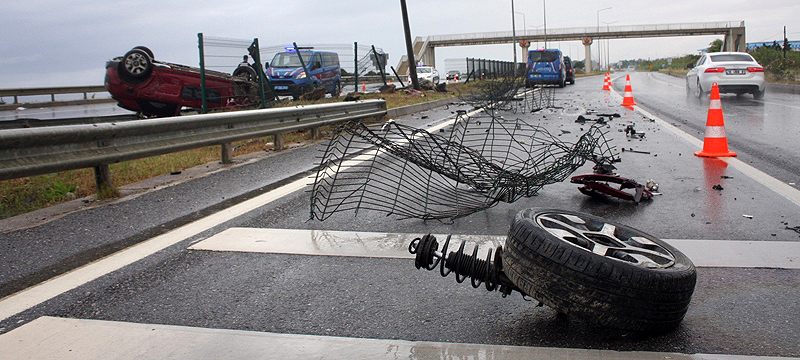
x,y
363,86
607,82
628,101
715,143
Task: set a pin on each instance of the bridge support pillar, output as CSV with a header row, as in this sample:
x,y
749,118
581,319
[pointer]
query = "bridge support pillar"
x,y
587,60
429,57
734,40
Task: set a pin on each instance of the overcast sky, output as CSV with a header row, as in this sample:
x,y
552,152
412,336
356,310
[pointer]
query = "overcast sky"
x,y
59,43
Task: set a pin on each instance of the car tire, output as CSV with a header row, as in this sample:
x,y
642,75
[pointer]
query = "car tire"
x,y
560,270
136,64
698,91
246,72
759,94
146,50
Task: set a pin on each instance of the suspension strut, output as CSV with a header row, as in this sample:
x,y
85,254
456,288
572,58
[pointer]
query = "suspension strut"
x,y
488,272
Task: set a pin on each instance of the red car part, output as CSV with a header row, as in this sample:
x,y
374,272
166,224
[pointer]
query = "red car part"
x,y
596,184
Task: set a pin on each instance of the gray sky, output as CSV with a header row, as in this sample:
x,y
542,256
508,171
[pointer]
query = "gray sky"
x,y
59,43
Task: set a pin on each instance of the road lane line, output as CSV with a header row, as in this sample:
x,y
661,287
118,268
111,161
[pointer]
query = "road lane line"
x,y
785,190
704,253
81,339
39,293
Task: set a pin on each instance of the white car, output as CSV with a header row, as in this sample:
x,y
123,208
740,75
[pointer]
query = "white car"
x,y
734,72
426,73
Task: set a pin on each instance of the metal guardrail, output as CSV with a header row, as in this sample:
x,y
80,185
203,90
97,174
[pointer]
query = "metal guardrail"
x,y
52,91
35,151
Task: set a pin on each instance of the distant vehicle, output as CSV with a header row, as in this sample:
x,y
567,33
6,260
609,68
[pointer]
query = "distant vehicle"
x,y
546,66
631,68
570,70
142,84
287,76
451,75
427,73
734,72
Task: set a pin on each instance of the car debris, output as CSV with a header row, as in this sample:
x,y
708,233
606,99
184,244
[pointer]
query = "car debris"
x,y
794,228
539,237
747,216
631,132
718,187
600,184
631,150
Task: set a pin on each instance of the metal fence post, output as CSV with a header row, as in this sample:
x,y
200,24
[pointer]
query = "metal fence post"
x,y
204,106
397,76
256,54
102,179
380,64
355,66
227,153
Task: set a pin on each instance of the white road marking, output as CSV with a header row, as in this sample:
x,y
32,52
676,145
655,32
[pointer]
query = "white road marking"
x,y
703,253
37,294
779,187
65,339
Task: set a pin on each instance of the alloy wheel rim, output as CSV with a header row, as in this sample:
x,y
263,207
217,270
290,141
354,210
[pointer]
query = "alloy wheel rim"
x,y
607,240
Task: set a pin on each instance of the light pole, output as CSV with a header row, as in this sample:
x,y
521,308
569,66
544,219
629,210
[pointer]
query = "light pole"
x,y
524,31
608,45
513,33
599,56
544,14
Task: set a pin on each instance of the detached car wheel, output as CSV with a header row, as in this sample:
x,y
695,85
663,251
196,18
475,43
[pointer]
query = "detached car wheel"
x,y
136,64
607,273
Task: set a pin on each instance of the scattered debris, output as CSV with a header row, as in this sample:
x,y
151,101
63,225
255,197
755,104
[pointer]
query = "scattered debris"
x,y
794,228
631,132
693,215
353,96
387,89
315,94
725,177
651,185
598,184
718,187
424,117
175,172
747,216
792,184
635,151
441,87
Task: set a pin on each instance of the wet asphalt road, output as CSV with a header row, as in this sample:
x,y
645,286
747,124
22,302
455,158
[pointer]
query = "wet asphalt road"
x,y
735,311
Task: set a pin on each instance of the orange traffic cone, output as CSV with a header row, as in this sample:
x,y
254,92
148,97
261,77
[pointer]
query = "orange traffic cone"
x,y
607,82
628,101
715,143
363,87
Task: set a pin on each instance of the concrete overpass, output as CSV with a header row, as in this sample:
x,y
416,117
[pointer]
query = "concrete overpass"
x,y
733,32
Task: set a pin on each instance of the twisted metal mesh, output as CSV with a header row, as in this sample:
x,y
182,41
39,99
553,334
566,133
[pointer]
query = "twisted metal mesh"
x,y
469,166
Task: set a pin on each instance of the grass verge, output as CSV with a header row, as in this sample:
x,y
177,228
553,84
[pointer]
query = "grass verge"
x,y
18,196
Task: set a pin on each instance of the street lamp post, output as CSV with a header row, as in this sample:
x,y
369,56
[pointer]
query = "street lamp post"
x,y
513,33
599,56
544,14
608,45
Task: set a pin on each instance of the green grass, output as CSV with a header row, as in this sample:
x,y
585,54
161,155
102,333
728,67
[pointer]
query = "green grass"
x,y
18,196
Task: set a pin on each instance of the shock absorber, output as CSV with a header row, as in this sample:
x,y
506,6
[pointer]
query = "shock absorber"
x,y
488,272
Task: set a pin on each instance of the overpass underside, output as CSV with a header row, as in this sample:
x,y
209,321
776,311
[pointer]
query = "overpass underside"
x,y
733,33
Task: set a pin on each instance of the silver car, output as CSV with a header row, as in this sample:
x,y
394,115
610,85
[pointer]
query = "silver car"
x,y
734,72
427,73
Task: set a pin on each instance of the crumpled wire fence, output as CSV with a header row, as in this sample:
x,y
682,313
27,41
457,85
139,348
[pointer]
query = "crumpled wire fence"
x,y
473,165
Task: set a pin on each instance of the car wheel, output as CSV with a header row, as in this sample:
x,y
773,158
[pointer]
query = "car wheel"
x,y
337,90
594,269
246,72
136,64
146,50
759,94
698,91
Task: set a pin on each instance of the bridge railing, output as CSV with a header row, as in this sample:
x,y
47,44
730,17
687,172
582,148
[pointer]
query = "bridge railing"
x,y
590,30
35,151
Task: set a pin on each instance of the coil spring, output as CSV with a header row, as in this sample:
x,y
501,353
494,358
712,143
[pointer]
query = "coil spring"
x,y
486,272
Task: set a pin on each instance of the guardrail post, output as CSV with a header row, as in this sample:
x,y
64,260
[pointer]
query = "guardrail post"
x,y
226,156
15,100
102,179
315,133
52,97
277,142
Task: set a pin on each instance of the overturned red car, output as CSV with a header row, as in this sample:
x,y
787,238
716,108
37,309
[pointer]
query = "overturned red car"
x,y
142,84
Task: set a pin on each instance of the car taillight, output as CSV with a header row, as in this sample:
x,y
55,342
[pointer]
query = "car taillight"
x,y
715,70
755,69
